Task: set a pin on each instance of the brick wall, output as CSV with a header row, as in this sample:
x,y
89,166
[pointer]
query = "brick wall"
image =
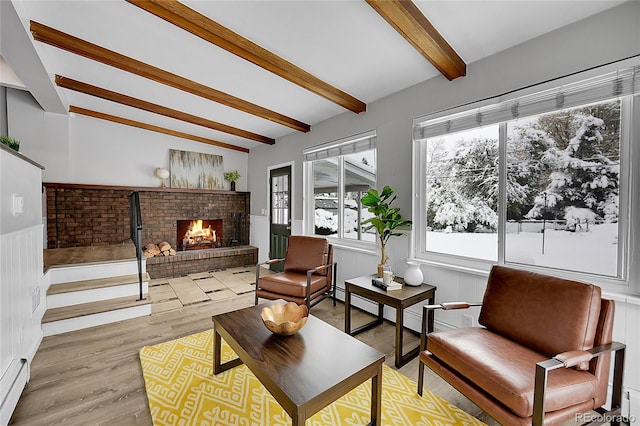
x,y
91,215
188,262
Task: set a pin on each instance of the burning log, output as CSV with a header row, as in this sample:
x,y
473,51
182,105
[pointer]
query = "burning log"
x,y
198,236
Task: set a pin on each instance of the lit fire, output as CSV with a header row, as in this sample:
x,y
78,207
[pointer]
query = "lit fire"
x,y
197,236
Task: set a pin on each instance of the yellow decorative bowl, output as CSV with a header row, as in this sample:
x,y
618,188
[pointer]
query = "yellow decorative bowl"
x,y
285,319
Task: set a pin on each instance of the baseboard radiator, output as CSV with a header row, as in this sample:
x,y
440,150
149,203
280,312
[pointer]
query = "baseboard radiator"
x,y
12,384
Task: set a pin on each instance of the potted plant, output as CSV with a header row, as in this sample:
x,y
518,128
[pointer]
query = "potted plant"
x,y
10,142
387,220
232,177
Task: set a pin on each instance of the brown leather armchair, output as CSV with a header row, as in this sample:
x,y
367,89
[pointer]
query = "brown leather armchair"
x,y
541,356
309,273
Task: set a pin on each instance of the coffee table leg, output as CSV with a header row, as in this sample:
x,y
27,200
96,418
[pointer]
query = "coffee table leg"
x,y
299,419
218,366
217,351
376,397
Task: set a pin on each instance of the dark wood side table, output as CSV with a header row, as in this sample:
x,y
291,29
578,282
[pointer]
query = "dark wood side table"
x,y
398,299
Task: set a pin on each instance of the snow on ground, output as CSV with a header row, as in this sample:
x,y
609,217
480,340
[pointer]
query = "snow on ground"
x,y
594,251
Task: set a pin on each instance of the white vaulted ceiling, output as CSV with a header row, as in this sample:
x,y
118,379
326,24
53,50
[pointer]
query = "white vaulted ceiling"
x,y
347,44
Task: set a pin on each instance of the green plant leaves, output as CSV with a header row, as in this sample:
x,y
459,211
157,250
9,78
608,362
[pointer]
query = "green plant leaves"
x,y
10,142
387,219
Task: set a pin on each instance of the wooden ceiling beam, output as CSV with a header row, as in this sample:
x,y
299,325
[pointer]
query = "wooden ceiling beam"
x,y
151,127
109,95
410,22
188,19
97,53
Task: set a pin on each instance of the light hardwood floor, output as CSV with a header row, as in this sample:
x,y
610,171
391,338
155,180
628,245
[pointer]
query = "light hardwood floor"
x,y
93,376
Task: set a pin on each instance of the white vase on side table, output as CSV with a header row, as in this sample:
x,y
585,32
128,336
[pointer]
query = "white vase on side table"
x,y
413,276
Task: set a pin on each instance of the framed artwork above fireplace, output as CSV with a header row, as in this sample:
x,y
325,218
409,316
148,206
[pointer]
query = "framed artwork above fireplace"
x,y
195,170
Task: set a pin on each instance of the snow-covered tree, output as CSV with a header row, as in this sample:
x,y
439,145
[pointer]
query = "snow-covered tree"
x,y
584,178
463,187
527,170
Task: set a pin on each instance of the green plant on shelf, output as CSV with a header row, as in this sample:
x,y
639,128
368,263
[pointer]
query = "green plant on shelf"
x,y
10,142
232,176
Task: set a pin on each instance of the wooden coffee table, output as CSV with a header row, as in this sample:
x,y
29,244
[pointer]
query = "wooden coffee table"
x,y
398,299
304,372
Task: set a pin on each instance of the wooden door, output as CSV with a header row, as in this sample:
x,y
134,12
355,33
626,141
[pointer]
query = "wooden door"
x,y
280,213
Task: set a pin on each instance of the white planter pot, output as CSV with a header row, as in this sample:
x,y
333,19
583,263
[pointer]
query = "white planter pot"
x,y
413,276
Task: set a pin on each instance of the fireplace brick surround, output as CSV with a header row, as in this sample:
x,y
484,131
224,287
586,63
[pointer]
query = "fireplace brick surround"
x,y
95,215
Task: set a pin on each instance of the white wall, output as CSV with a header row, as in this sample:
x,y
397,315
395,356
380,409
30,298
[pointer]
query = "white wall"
x,y
607,37
22,287
79,149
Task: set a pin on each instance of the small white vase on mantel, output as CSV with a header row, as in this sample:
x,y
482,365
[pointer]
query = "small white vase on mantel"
x,y
413,276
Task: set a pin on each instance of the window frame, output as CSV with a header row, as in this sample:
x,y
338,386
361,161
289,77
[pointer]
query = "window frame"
x,y
309,195
630,115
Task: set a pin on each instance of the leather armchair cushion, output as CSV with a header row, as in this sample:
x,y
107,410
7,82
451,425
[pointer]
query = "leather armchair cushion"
x,y
506,370
293,283
306,253
547,314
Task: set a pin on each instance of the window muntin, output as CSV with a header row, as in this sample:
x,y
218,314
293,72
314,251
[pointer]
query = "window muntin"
x,y
280,199
325,196
359,177
572,156
462,193
338,174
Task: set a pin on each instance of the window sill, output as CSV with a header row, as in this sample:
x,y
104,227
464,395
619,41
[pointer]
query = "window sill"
x,y
354,246
609,285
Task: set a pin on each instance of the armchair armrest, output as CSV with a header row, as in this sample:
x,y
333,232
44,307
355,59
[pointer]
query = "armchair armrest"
x,y
444,306
452,305
319,268
268,262
573,358
570,359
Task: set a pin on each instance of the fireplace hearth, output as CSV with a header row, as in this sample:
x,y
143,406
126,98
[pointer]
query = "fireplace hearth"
x,y
199,234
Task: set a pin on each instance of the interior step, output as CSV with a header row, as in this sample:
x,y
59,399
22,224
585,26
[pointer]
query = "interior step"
x,y
85,315
64,273
99,289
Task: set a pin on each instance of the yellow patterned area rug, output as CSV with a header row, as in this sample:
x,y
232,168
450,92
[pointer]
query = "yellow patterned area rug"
x,y
182,391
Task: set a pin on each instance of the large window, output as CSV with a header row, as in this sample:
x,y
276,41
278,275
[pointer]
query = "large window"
x,y
338,175
462,193
535,181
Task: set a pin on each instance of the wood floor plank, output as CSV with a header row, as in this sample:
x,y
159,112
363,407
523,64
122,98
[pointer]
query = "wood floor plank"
x,y
222,295
199,275
95,284
73,311
240,287
228,277
210,284
187,291
162,293
167,305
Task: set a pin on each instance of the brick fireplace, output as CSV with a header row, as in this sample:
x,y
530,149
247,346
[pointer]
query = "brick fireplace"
x,y
96,215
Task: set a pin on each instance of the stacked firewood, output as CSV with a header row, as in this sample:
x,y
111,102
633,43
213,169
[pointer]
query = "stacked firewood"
x,y
160,249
